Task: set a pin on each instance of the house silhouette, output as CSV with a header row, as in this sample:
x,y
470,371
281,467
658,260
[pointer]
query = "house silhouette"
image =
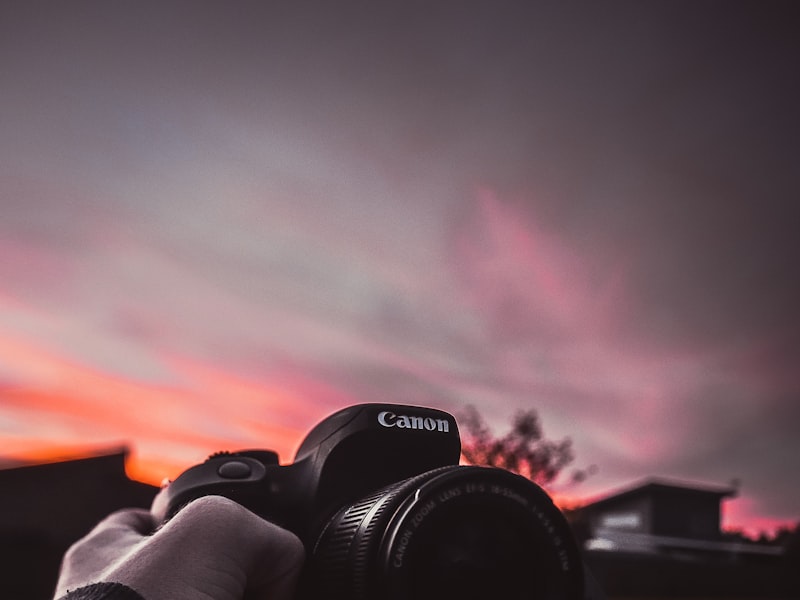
x,y
45,508
661,538
658,516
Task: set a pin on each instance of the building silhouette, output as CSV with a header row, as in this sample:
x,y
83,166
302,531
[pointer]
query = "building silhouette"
x,y
45,508
658,516
663,539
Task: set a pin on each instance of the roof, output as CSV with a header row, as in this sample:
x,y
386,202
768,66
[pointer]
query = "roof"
x,y
654,486
62,454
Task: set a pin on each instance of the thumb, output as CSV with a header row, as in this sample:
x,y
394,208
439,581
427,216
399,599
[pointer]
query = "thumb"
x,y
270,556
275,564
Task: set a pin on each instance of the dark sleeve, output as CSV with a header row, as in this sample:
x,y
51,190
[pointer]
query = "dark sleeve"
x,y
103,591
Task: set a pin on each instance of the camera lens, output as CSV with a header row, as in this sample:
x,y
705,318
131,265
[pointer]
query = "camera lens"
x,y
466,532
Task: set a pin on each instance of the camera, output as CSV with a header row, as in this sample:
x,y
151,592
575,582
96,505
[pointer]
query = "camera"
x,y
385,511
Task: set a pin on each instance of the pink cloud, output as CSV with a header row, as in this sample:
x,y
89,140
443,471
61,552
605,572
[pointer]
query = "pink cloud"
x,y
746,515
523,275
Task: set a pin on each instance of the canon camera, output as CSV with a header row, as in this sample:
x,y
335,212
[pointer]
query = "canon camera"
x,y
385,511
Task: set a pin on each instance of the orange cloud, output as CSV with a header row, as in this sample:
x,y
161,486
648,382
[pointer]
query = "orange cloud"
x,y
61,409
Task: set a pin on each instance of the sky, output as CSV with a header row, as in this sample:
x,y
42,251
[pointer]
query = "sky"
x,y
221,222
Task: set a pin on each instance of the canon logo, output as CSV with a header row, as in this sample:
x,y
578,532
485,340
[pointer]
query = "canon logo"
x,y
389,419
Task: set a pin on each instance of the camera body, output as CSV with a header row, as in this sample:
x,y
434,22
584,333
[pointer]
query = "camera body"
x,y
385,512
353,452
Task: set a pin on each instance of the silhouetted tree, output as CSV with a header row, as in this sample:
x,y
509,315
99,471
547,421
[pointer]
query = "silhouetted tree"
x,y
785,536
523,449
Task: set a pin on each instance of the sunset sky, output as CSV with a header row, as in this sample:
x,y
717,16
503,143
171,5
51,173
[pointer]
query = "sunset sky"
x,y
221,222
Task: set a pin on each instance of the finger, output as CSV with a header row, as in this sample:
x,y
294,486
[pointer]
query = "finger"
x,y
115,535
109,541
137,520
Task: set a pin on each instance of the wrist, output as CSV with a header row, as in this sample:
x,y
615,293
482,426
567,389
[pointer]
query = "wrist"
x,y
102,591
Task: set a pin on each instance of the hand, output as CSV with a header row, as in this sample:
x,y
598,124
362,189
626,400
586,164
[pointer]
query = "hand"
x,y
213,549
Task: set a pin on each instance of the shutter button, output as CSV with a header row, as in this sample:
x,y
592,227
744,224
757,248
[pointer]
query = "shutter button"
x,y
234,469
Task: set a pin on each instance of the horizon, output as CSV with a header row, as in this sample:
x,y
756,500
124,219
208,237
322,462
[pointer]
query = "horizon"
x,y
155,473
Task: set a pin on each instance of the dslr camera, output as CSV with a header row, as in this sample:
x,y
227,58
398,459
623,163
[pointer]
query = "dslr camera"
x,y
385,512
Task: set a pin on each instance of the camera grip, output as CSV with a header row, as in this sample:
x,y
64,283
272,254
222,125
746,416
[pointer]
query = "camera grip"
x,y
234,476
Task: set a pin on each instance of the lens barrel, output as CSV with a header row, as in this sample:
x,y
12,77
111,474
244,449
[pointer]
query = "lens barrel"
x,y
458,531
